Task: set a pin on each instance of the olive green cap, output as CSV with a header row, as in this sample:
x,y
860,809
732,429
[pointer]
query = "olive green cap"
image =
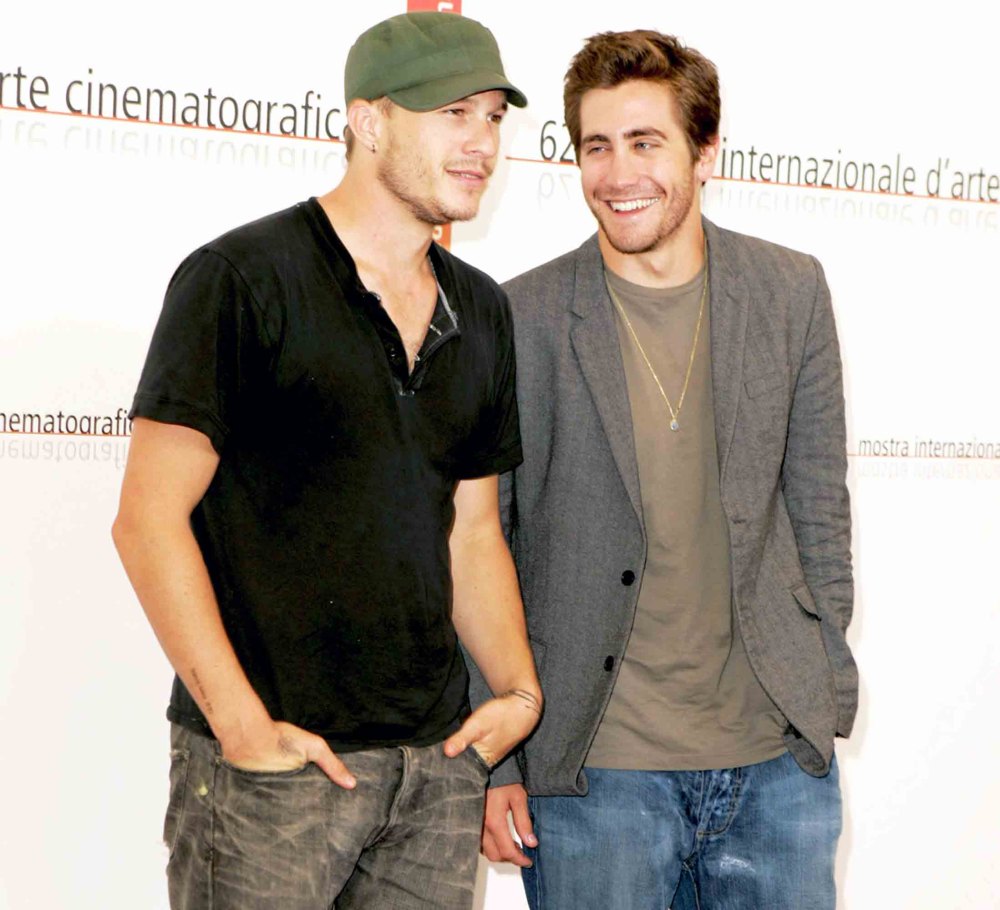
x,y
422,61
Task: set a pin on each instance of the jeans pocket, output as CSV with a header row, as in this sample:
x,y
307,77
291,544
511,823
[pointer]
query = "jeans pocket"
x,y
263,775
180,760
478,759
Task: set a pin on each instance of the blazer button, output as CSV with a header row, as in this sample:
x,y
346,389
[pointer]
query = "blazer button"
x,y
609,663
628,576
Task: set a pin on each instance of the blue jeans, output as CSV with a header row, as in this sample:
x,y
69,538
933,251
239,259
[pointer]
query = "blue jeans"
x,y
407,838
761,837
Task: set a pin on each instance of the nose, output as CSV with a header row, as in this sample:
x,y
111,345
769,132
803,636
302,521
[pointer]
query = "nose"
x,y
484,138
621,169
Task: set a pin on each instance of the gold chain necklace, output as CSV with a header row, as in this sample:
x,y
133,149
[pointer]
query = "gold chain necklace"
x,y
674,415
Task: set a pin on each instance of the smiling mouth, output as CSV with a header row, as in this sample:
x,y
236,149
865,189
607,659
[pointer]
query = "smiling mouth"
x,y
632,205
471,176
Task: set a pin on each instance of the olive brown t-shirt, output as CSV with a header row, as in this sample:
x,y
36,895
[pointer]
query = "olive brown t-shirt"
x,y
686,697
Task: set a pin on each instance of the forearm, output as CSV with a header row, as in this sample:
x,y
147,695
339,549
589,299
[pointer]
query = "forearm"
x,y
166,568
488,614
815,467
816,496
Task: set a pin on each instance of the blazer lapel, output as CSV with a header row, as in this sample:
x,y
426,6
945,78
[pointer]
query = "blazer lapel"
x,y
595,341
730,306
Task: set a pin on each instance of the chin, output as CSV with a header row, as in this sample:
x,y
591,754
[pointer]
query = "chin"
x,y
629,243
442,210
459,212
464,215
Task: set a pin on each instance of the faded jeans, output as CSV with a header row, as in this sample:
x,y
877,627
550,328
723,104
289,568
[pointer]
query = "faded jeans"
x,y
406,837
760,837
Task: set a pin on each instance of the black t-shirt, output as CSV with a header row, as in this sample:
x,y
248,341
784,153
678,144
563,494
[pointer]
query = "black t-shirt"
x,y
325,528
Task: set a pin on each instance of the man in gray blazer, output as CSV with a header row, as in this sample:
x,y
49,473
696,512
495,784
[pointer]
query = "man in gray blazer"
x,y
681,528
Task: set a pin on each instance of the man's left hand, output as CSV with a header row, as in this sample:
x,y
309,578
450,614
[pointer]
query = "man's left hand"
x,y
496,726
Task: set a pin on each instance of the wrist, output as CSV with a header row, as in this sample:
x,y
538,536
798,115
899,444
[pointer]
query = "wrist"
x,y
530,697
241,732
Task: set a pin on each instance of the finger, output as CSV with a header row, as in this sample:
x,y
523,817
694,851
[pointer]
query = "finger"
x,y
332,766
505,846
496,826
454,744
468,733
488,847
522,818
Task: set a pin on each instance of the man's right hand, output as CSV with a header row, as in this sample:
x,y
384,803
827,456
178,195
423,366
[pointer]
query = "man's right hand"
x,y
285,747
498,844
170,468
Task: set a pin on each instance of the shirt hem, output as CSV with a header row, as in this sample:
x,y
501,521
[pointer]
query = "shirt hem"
x,y
714,762
166,410
197,725
499,464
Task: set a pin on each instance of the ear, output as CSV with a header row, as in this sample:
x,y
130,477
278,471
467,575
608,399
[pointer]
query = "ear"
x,y
704,167
364,118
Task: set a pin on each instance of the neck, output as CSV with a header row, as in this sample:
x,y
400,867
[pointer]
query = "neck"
x,y
380,233
673,262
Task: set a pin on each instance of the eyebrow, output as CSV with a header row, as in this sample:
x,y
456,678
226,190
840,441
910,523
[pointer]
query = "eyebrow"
x,y
503,106
635,133
485,91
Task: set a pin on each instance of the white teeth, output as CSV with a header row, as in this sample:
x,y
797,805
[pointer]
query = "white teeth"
x,y
632,205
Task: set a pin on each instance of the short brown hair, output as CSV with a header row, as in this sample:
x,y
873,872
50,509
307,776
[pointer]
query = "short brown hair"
x,y
611,58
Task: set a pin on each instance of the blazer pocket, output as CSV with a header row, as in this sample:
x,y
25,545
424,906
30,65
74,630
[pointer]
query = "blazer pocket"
x,y
769,382
804,597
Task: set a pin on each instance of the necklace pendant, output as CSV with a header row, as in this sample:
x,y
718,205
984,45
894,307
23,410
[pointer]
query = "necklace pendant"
x,y
674,425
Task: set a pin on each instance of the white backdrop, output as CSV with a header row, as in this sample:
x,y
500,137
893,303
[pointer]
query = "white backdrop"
x,y
96,213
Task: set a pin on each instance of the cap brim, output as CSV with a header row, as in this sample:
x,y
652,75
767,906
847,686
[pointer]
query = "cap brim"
x,y
430,95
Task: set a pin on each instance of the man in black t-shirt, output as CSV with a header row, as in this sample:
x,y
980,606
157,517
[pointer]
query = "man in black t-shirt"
x,y
309,513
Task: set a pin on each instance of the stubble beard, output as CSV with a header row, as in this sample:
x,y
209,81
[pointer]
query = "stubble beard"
x,y
634,240
402,174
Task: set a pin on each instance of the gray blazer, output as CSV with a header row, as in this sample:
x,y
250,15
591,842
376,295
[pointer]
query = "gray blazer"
x,y
574,516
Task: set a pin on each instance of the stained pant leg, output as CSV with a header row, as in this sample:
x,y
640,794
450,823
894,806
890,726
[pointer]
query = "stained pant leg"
x,y
770,841
248,840
427,855
621,846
